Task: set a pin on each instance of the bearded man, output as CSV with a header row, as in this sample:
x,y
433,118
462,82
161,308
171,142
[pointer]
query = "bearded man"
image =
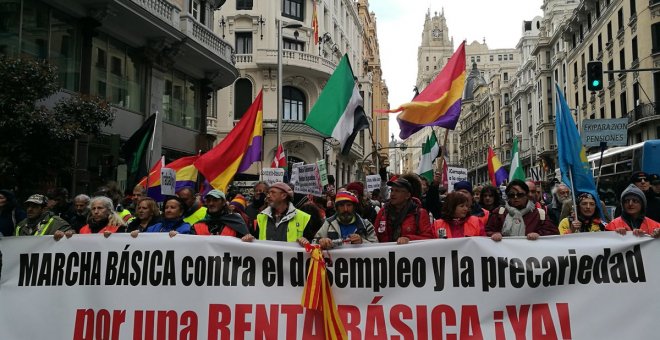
x,y
346,225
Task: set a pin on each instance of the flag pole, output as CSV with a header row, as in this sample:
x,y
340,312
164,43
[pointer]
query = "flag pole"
x,y
151,149
570,176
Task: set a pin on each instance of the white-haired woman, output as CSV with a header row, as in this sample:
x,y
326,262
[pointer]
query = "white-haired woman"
x,y
102,218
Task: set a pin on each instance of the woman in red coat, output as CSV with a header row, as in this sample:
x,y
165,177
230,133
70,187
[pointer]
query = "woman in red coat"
x,y
454,221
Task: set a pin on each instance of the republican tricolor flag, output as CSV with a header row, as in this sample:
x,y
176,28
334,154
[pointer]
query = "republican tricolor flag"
x,y
496,171
439,104
237,151
186,176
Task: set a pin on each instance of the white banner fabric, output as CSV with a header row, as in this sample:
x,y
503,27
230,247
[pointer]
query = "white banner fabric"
x,y
596,286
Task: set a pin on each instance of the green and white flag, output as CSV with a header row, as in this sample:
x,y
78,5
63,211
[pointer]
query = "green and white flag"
x,y
516,170
338,112
430,151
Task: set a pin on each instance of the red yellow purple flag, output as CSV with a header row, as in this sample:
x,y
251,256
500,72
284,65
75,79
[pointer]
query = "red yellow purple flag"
x,y
186,176
237,151
439,104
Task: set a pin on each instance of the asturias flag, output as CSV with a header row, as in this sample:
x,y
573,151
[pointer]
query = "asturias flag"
x,y
430,151
496,171
338,112
186,176
516,171
439,104
237,151
571,153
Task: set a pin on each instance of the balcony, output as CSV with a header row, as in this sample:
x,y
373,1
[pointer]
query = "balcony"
x,y
243,58
205,36
212,126
642,114
295,59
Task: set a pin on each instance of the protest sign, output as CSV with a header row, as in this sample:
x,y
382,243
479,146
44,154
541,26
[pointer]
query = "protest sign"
x,y
167,182
309,180
373,182
272,175
455,175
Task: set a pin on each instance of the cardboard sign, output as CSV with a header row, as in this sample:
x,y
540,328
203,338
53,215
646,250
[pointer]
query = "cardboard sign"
x,y
294,172
167,181
323,172
272,175
373,182
309,180
614,132
455,175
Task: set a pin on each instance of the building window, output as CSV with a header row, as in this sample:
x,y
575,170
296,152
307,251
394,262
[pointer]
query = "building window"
x,y
633,9
194,8
294,45
294,104
243,4
180,100
624,105
499,57
492,58
242,97
655,32
117,74
510,56
635,53
243,42
293,9
622,59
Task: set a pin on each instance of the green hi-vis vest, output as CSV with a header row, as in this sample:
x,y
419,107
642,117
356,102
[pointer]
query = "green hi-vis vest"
x,y
41,229
295,226
197,216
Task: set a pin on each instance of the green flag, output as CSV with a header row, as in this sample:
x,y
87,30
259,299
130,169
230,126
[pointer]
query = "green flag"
x,y
516,170
430,151
338,112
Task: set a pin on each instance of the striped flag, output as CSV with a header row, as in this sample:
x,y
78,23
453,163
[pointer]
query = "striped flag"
x,y
186,176
338,112
315,24
439,104
496,171
430,151
237,151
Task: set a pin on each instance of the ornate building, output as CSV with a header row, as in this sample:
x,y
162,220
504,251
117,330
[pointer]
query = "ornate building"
x,y
307,65
140,56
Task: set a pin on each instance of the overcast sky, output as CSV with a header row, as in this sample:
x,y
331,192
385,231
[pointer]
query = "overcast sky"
x,y
400,24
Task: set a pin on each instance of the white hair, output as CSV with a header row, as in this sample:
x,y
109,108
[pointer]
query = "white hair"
x,y
81,198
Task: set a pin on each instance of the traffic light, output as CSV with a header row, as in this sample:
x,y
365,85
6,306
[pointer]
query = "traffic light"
x,y
595,76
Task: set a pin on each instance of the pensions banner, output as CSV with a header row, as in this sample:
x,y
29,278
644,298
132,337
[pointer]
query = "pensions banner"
x,y
194,287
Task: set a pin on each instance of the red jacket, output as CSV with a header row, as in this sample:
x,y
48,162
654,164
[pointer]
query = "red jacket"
x,y
533,223
111,228
201,228
415,226
648,225
471,227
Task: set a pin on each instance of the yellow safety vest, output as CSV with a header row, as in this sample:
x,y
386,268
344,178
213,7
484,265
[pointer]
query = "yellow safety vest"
x,y
295,226
41,229
197,216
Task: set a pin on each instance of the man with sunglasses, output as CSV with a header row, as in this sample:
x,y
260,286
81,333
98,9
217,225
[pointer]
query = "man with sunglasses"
x,y
519,216
643,182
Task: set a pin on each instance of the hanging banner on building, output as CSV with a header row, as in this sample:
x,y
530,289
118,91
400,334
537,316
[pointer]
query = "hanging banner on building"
x,y
195,287
272,175
309,180
455,175
373,182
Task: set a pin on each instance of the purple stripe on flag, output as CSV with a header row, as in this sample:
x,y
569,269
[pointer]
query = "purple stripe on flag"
x,y
154,192
501,176
448,120
252,154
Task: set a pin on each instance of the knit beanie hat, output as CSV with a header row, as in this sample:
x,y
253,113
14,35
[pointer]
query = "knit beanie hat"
x,y
239,202
344,196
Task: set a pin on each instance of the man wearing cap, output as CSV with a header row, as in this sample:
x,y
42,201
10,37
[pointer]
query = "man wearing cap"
x,y
40,221
195,211
281,221
655,183
219,220
402,219
643,182
345,226
465,188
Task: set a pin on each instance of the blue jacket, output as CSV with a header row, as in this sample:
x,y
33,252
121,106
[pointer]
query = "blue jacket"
x,y
168,225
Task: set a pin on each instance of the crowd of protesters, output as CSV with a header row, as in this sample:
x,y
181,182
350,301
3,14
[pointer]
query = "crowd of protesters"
x,y
406,208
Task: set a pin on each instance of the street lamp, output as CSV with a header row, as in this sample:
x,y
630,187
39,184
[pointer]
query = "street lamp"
x,y
279,76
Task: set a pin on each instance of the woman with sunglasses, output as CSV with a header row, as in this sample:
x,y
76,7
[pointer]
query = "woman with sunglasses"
x,y
633,216
519,216
587,218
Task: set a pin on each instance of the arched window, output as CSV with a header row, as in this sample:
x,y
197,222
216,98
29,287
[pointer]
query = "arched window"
x,y
294,105
242,97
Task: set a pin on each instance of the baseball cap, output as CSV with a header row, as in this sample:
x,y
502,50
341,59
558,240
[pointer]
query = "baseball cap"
x,y
217,194
37,199
400,183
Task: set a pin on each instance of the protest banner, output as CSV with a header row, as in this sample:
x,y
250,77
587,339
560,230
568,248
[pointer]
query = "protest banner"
x,y
455,175
167,182
272,175
309,180
373,182
294,173
194,287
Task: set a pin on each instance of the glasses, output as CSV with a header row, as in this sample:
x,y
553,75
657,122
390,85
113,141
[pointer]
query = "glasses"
x,y
631,200
641,180
516,195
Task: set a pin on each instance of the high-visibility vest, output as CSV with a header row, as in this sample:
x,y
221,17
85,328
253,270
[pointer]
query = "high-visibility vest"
x,y
195,217
41,229
125,215
295,226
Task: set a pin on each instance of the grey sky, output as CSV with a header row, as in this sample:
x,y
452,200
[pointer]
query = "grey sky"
x,y
400,24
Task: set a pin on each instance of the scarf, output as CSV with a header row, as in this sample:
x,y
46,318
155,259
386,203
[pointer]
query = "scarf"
x,y
587,221
395,220
97,226
514,223
217,222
